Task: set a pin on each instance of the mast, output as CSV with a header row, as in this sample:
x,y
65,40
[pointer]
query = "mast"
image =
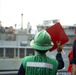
x,y
22,21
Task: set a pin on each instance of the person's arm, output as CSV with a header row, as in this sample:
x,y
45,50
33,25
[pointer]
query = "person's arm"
x,y
60,60
73,60
21,70
59,56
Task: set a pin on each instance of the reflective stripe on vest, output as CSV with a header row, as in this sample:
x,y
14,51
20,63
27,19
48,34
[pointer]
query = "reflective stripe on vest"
x,y
39,64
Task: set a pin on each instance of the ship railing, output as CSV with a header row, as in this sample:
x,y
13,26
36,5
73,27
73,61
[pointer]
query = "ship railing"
x,y
15,73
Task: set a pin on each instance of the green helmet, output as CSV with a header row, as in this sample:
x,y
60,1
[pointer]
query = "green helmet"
x,y
42,41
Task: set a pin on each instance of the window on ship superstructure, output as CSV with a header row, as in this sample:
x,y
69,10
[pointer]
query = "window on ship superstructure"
x,y
30,51
1,52
22,52
9,52
16,52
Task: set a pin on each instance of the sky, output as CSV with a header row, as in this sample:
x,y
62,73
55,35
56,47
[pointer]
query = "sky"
x,y
35,11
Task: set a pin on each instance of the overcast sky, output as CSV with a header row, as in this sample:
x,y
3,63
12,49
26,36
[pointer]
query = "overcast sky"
x,y
35,11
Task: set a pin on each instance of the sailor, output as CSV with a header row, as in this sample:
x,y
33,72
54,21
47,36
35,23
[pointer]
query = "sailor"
x,y
40,63
73,59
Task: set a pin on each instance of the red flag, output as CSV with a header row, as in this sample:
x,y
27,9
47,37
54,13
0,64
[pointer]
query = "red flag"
x,y
57,33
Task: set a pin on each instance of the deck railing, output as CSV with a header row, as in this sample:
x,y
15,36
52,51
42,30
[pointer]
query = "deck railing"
x,y
15,73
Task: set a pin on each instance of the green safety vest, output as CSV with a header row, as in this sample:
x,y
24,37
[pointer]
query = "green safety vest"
x,y
40,65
